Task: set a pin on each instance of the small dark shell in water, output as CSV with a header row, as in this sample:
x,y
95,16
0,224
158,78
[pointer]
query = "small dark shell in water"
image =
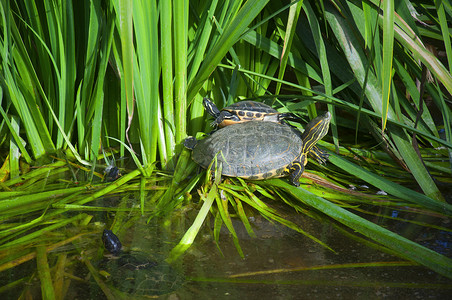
x,y
111,174
111,242
138,273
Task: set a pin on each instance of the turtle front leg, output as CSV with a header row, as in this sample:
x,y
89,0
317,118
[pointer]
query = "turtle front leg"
x,y
295,171
226,117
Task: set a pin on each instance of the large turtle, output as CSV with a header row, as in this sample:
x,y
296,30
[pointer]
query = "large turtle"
x,y
260,150
136,272
245,111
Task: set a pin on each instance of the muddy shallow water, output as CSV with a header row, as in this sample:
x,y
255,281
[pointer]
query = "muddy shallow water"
x,y
278,263
280,250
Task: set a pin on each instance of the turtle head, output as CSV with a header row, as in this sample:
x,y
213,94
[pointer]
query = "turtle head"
x,y
111,242
210,107
316,129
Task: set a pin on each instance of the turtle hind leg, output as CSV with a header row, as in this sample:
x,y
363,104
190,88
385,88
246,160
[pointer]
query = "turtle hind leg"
x,y
190,142
289,116
295,171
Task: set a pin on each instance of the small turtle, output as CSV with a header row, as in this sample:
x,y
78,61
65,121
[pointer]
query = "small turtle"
x,y
137,272
245,111
260,150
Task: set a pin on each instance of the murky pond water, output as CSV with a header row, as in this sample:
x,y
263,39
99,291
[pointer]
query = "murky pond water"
x,y
278,250
279,263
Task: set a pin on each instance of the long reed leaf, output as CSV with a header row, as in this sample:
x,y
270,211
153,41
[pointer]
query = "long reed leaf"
x,y
190,234
47,289
357,61
166,19
389,186
388,47
231,34
180,25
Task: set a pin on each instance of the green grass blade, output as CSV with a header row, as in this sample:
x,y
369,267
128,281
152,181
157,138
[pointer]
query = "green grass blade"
x,y
166,18
357,61
222,205
180,24
45,278
294,13
389,186
411,42
445,30
190,234
14,134
272,48
124,11
98,99
232,33
82,100
242,215
200,43
12,89
323,57
146,78
388,48
14,153
217,224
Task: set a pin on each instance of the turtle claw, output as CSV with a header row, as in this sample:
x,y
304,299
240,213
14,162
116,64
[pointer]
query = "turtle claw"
x,y
295,183
319,155
323,158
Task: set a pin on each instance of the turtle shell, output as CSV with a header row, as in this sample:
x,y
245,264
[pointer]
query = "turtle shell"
x,y
245,111
253,150
137,273
250,106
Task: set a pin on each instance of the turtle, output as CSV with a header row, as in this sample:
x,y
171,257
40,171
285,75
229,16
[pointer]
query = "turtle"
x,y
259,150
245,111
136,272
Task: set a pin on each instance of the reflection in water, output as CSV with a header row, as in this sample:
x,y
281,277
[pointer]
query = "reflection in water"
x,y
266,271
